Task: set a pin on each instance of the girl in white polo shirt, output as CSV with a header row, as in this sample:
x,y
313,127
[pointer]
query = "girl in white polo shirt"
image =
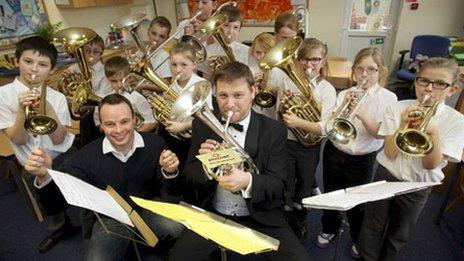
x,y
388,223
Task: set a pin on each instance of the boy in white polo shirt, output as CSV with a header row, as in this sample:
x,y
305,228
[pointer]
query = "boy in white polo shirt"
x,y
388,223
36,59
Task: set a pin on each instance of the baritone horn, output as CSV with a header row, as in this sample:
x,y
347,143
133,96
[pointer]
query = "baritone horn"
x,y
78,89
213,26
304,104
37,122
413,140
340,128
192,102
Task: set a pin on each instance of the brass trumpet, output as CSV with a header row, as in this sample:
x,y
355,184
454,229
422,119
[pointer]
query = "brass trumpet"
x,y
304,105
340,128
78,90
414,141
37,122
192,102
264,98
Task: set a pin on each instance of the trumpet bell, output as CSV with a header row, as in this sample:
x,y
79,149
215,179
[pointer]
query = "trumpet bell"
x,y
265,99
40,125
200,51
413,142
190,100
213,23
342,132
129,21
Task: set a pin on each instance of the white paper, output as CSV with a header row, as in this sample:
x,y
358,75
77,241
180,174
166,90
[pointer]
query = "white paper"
x,y
82,194
348,198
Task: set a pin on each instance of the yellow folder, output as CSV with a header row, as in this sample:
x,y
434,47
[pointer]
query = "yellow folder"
x,y
224,232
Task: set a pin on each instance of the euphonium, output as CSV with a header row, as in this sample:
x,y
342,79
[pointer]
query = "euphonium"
x,y
264,98
340,128
213,26
304,105
37,122
78,89
413,140
192,102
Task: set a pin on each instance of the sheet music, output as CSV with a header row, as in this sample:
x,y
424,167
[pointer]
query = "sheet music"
x,y
348,198
82,194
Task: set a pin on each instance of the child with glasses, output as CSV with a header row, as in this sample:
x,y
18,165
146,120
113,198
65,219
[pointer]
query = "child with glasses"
x,y
302,160
347,165
388,223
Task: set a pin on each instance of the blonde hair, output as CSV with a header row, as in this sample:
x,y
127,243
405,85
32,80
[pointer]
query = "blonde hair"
x,y
286,20
441,63
185,49
310,44
265,40
377,58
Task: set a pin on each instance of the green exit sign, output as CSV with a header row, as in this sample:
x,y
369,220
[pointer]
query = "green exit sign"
x,y
376,41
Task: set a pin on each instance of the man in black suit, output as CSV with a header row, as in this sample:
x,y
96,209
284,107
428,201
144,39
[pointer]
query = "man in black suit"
x,y
251,199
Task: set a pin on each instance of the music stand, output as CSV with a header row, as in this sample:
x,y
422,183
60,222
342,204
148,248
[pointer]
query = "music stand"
x,y
226,233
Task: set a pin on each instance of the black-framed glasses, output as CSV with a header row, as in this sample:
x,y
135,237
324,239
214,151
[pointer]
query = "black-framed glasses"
x,y
369,70
438,84
312,59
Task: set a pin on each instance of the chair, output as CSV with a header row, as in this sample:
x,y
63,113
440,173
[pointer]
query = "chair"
x,y
339,72
429,45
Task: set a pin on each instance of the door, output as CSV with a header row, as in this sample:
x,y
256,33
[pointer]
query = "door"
x,y
369,23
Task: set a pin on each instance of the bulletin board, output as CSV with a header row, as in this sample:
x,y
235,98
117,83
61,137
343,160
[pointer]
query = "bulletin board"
x,y
18,19
255,12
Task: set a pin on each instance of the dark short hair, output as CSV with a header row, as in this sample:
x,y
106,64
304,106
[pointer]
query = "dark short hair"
x,y
115,99
116,64
38,44
161,21
98,41
232,71
286,20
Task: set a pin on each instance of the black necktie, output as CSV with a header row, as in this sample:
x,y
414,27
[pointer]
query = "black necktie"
x,y
237,126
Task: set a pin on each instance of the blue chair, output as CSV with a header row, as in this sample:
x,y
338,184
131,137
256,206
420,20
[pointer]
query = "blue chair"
x,y
429,45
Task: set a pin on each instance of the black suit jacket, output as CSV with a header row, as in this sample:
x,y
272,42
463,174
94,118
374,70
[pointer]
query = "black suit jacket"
x,y
266,143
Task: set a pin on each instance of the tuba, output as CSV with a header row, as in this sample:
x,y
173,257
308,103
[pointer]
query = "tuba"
x,y
37,122
305,105
192,102
213,26
414,141
340,128
78,88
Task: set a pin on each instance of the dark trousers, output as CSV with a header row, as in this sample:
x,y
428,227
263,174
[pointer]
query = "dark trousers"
x,y
191,246
301,165
388,223
342,170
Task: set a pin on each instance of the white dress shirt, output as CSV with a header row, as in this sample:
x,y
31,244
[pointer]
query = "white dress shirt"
x,y
451,131
375,103
9,107
225,201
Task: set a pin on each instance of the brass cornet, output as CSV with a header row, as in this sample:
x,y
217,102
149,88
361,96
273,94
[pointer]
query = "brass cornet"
x,y
265,98
340,128
78,90
414,141
304,105
192,102
37,122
